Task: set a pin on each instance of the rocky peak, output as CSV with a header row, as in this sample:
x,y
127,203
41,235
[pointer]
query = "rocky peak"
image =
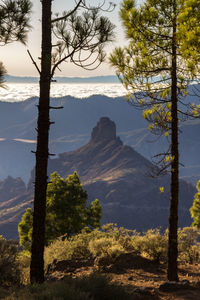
x,y
104,130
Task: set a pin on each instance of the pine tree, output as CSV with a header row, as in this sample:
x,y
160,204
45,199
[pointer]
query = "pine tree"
x,y
79,39
195,209
156,68
66,211
14,25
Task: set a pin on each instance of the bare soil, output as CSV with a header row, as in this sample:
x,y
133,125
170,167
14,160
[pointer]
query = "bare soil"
x,y
154,277
144,282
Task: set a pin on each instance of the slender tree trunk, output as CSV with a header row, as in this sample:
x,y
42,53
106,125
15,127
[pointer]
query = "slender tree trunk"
x,y
173,217
38,236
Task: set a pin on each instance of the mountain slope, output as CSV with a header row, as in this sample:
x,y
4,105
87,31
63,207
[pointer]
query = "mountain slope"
x,y
118,176
72,130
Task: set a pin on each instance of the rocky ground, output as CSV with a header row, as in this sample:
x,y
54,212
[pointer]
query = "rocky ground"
x,y
144,279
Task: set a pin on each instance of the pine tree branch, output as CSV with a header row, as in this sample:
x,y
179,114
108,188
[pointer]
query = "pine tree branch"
x,y
60,61
69,14
34,62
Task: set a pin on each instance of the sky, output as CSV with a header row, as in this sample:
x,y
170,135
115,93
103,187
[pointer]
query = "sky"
x,y
17,62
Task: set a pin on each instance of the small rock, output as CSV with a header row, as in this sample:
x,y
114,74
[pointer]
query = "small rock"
x,y
171,286
130,278
144,291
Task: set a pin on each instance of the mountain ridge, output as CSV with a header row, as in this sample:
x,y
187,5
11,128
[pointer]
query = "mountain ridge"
x,y
72,130
62,79
117,175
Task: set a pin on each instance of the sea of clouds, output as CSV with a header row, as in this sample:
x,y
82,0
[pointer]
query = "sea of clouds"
x,y
16,92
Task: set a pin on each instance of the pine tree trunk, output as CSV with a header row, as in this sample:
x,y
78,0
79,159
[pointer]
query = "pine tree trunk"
x,y
38,236
173,217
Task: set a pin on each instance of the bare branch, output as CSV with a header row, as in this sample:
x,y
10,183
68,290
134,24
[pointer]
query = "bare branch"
x,y
34,62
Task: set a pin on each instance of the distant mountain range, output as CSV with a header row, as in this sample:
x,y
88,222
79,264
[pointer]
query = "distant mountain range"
x,y
111,171
93,79
72,130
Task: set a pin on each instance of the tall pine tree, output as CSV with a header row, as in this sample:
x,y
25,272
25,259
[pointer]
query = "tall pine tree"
x,y
156,68
79,39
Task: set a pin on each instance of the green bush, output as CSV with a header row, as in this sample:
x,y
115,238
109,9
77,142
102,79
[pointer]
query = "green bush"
x,y
122,235
71,248
188,247
153,244
105,246
9,270
111,241
195,209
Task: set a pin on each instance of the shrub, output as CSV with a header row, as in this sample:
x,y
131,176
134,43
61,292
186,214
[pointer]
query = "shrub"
x,y
9,271
188,247
122,235
24,259
71,248
126,237
137,242
155,244
111,241
151,244
105,246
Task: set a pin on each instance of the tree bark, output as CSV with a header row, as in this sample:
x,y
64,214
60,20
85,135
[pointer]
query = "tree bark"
x,y
173,217
43,123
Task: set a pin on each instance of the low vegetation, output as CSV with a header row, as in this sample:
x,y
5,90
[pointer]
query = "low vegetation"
x,y
111,241
108,242
92,287
9,267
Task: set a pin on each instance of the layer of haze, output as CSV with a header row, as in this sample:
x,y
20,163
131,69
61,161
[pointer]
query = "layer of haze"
x,y
15,57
